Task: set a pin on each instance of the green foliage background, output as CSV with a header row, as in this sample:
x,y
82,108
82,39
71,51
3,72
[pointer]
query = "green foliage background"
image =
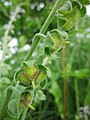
x,y
28,22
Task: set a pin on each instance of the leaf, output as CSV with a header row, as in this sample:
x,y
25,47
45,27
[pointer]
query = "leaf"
x,y
84,2
13,108
56,92
43,67
40,95
5,80
43,71
80,74
69,24
43,84
29,63
40,52
61,20
87,99
57,36
48,40
66,8
83,11
14,89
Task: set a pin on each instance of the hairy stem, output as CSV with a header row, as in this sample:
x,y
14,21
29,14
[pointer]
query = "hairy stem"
x,y
36,40
44,28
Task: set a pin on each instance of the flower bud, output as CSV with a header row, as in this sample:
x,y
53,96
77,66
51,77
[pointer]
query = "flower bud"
x,y
23,79
41,76
25,99
31,72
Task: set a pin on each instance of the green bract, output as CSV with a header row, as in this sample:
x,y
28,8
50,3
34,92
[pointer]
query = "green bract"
x,y
57,37
26,98
69,13
84,2
42,74
31,72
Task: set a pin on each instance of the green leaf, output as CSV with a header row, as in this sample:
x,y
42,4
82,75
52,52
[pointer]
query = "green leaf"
x,y
40,52
56,92
69,24
5,80
40,95
13,108
29,63
87,99
61,20
84,2
66,8
57,36
43,67
43,84
80,74
48,40
83,11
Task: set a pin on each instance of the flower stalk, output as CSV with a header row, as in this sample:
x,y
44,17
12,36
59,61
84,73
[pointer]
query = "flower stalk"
x,y
29,54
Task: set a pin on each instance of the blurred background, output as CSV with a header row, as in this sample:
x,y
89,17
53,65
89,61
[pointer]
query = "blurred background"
x,y
19,21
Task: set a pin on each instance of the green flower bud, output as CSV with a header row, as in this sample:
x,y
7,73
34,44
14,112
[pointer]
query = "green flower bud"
x,y
41,76
26,99
76,14
23,79
57,40
31,72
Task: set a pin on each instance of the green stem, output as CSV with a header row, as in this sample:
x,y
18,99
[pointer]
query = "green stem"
x,y
5,105
36,40
23,115
77,95
44,28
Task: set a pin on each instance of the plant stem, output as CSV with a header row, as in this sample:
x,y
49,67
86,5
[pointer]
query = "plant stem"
x,y
23,115
5,105
77,95
65,81
43,29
